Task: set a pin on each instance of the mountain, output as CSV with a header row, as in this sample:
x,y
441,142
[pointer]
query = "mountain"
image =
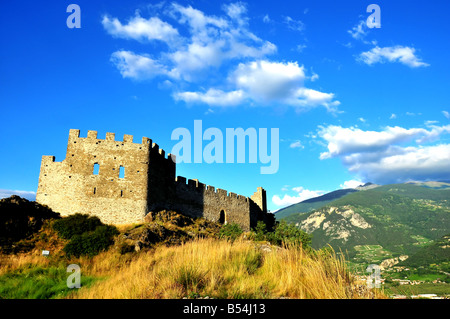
x,y
312,203
389,220
317,202
437,252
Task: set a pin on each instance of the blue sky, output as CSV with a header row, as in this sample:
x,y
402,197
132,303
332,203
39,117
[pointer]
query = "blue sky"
x,y
353,104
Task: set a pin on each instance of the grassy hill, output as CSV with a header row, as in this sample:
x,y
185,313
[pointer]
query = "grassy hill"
x,y
171,256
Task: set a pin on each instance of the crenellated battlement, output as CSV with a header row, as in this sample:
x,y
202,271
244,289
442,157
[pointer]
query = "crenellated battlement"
x,y
121,181
74,134
194,184
92,137
46,159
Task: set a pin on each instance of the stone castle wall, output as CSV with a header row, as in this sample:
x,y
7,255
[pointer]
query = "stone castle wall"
x,y
196,199
148,184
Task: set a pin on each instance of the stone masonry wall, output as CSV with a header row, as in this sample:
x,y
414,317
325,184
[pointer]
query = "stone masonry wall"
x,y
149,184
70,186
199,200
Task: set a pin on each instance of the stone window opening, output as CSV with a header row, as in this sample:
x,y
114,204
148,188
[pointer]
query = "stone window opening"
x,y
121,172
223,217
121,193
96,169
95,190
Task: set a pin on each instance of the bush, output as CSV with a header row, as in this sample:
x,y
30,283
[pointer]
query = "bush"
x,y
285,233
230,231
91,243
87,234
76,224
260,231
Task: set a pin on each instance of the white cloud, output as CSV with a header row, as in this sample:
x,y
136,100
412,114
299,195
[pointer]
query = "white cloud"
x,y
401,54
267,82
296,144
359,31
387,155
393,116
141,29
136,66
266,19
446,114
212,97
407,164
343,141
296,25
236,11
353,183
208,42
4,193
213,40
314,77
302,194
202,47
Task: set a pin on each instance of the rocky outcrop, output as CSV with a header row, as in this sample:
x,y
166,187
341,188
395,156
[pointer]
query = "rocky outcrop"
x,y
340,227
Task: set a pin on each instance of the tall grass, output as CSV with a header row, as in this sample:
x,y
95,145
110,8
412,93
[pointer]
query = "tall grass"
x,y
218,269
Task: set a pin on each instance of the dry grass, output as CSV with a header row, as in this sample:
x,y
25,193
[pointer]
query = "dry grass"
x,y
12,262
218,269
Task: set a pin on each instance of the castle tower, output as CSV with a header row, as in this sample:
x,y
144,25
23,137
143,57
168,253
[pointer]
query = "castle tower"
x,y
106,178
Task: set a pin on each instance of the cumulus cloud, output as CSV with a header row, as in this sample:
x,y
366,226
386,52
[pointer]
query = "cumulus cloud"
x,y
24,194
344,141
141,29
135,66
222,47
301,195
265,82
400,54
394,154
209,42
212,97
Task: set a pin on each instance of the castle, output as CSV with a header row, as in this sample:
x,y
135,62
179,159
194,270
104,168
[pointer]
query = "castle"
x,y
121,182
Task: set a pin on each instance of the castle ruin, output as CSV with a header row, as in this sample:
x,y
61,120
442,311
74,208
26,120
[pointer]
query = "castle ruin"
x,y
121,182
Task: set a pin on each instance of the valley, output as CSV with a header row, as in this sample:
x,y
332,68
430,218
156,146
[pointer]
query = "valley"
x,y
403,228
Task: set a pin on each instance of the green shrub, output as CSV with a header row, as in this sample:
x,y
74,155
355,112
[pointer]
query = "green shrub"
x,y
91,243
260,231
76,224
285,233
230,231
87,234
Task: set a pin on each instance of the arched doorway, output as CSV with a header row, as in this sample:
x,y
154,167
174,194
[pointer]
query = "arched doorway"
x,y
222,217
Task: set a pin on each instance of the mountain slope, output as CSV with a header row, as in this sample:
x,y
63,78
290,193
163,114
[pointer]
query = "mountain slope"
x,y
319,201
312,203
399,217
435,253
